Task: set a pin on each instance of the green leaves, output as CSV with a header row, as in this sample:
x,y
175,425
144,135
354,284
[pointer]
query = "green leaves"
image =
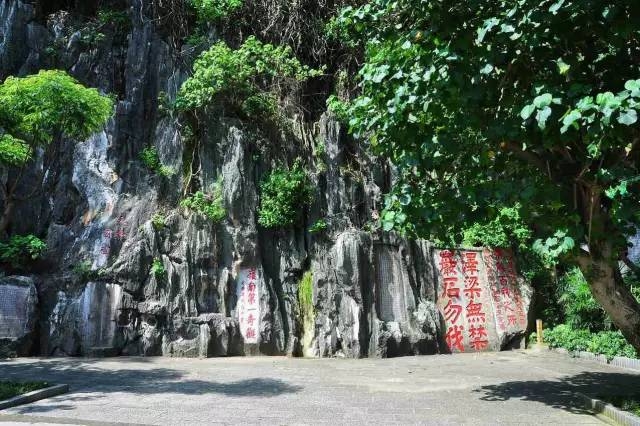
x,y
241,77
527,111
628,117
542,116
633,86
13,151
36,109
543,100
21,249
487,109
213,10
284,195
210,205
570,120
553,248
555,7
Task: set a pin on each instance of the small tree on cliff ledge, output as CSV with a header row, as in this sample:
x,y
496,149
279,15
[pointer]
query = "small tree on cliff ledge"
x,y
488,104
35,113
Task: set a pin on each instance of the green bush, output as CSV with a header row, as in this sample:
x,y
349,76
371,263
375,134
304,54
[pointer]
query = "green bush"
x,y
212,10
209,205
84,272
284,194
151,160
563,336
157,269
581,311
319,226
608,343
158,220
20,249
241,77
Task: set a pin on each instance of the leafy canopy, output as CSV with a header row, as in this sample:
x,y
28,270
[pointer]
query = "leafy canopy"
x,y
483,105
37,109
241,77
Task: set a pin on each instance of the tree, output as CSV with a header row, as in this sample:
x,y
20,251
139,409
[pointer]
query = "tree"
x,y
36,112
484,105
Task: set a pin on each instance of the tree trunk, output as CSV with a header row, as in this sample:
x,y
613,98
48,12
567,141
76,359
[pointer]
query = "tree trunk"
x,y
5,220
605,281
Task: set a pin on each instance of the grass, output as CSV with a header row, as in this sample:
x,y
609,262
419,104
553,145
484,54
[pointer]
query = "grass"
x,y
630,403
11,389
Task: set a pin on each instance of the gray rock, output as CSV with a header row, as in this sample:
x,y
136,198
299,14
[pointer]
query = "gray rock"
x,y
104,292
18,315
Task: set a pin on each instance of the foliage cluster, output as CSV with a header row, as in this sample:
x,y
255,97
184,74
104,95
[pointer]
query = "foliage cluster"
x,y
628,402
158,221
608,343
504,68
213,10
151,160
284,196
507,229
109,20
119,19
20,249
211,205
581,311
158,270
244,78
319,226
38,109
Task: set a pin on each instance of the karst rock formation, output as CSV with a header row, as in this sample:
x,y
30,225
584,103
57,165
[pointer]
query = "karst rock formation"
x,y
230,288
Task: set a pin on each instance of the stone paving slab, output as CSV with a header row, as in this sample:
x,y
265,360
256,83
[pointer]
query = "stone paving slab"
x,y
479,389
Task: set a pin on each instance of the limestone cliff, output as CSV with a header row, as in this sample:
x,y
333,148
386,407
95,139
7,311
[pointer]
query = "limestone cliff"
x,y
374,293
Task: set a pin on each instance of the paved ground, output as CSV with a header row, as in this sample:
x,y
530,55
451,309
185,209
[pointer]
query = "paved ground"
x,y
492,388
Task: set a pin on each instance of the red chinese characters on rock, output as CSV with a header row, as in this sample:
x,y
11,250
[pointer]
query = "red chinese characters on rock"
x,y
452,311
512,298
249,305
475,314
108,234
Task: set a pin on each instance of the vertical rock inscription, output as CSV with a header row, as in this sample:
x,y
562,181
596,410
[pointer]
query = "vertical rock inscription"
x,y
248,293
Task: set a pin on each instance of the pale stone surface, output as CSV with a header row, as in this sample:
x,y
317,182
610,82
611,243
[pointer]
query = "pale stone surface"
x,y
18,315
476,389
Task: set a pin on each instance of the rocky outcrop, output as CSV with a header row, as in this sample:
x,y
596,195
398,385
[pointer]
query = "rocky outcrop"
x,y
118,284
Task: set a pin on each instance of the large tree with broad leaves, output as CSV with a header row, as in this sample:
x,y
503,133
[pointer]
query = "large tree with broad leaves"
x,y
528,103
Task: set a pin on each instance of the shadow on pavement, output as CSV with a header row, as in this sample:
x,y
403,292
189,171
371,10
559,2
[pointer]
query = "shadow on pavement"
x,y
562,394
88,381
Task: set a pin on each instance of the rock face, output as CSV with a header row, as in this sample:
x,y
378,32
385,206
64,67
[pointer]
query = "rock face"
x,y
18,315
224,289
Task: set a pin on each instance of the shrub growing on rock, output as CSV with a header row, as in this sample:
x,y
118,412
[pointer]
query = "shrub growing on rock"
x,y
284,195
